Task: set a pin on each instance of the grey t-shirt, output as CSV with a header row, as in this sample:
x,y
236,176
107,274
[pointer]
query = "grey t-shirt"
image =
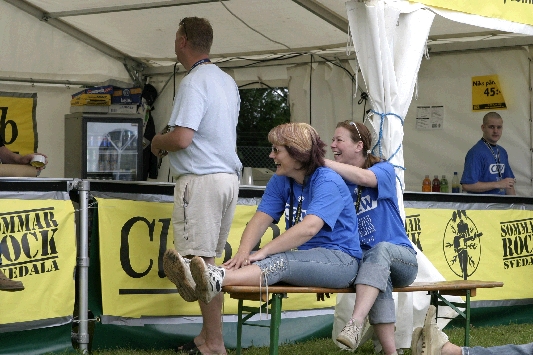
x,y
207,102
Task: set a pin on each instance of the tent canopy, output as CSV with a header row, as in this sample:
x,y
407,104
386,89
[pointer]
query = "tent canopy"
x,y
141,34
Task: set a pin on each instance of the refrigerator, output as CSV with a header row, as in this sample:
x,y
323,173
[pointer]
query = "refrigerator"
x,y
103,146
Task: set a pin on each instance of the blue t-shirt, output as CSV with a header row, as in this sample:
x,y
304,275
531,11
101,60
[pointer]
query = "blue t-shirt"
x,y
326,196
481,164
379,215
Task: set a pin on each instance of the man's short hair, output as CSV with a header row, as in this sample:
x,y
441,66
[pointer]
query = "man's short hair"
x,y
491,115
198,32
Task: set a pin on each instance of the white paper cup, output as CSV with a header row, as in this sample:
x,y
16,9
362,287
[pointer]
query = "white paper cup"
x,y
38,161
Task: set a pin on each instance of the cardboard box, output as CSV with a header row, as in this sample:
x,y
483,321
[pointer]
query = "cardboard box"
x,y
107,90
116,108
126,96
91,99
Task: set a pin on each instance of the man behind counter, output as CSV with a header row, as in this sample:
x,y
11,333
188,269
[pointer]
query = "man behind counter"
x,y
487,169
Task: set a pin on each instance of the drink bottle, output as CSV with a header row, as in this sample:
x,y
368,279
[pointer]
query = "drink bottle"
x,y
426,184
435,185
444,184
456,187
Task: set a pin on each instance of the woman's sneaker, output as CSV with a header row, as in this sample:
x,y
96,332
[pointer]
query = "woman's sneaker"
x,y
208,279
178,271
351,334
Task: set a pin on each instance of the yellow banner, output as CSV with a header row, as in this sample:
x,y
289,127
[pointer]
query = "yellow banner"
x,y
486,93
17,121
512,10
490,245
37,247
134,235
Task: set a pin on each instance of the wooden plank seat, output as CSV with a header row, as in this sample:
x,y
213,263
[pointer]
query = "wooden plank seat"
x,y
436,290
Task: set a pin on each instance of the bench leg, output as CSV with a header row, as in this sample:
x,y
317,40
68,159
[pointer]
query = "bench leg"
x,y
467,318
239,328
436,299
275,321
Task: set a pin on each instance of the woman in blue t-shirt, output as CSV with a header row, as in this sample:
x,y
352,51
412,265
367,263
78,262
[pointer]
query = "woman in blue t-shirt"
x,y
320,246
389,259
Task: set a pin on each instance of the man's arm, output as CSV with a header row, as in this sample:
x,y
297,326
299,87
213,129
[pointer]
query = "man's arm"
x,y
179,138
480,186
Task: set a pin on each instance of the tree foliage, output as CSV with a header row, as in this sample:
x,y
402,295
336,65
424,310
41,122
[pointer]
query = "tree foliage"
x,y
261,109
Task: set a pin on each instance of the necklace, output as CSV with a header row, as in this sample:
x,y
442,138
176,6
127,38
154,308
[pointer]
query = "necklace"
x,y
299,208
496,158
358,200
201,61
495,155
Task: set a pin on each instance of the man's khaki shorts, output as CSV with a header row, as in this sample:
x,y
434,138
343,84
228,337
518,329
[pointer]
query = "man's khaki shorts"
x,y
203,211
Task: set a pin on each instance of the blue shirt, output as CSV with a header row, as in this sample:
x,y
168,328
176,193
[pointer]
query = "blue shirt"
x,y
379,215
482,164
326,196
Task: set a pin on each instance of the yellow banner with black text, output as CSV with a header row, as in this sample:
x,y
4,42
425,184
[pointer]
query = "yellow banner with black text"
x,y
37,247
490,245
461,244
18,125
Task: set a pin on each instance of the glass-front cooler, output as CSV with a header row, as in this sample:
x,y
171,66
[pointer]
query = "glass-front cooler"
x,y
110,147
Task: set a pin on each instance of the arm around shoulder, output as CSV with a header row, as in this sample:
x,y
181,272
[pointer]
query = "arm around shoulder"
x,y
354,174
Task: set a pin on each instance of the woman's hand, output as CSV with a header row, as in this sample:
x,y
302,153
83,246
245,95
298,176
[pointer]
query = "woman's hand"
x,y
239,260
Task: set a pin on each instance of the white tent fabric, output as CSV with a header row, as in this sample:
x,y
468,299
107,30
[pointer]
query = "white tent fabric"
x,y
395,33
33,49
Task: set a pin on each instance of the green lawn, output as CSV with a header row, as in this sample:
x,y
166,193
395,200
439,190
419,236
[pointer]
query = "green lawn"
x,y
485,336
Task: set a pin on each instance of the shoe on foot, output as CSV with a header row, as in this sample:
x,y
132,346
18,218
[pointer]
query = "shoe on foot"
x,y
208,279
417,341
6,284
351,334
433,339
430,316
178,271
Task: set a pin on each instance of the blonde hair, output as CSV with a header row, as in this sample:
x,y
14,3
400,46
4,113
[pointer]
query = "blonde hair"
x,y
302,143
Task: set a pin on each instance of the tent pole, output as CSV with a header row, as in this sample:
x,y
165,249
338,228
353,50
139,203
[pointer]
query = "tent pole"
x,y
530,58
83,267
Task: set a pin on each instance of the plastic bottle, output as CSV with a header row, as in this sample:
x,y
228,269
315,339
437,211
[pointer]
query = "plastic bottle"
x,y
456,187
426,184
444,184
435,185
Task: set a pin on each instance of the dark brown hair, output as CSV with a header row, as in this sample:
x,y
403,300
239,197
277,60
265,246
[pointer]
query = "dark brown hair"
x,y
359,132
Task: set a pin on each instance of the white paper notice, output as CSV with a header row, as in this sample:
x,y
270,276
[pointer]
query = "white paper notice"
x,y
429,117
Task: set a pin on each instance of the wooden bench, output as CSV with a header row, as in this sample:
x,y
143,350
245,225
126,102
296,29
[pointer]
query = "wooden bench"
x,y
436,291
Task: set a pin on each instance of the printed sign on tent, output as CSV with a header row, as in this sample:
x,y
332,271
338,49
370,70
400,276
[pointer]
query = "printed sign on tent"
x,y
487,94
477,245
18,125
37,247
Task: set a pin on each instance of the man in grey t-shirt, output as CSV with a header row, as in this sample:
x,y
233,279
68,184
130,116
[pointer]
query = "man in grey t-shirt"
x,y
203,159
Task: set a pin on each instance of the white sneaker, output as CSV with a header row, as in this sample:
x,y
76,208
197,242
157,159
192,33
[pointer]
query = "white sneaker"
x,y
351,334
417,342
208,279
433,339
178,271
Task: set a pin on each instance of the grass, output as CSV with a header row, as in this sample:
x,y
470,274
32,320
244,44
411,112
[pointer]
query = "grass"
x,y
485,336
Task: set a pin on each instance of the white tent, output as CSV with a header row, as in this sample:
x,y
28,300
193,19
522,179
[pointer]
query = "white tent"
x,y
53,46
